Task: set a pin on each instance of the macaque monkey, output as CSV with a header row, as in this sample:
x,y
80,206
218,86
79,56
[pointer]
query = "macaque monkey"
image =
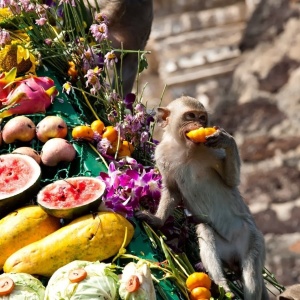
x,y
205,178
129,28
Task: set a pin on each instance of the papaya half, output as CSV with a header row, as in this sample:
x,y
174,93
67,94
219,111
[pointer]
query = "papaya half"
x,y
91,237
22,227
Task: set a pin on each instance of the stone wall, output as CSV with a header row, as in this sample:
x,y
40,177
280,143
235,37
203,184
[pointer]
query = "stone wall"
x,y
242,59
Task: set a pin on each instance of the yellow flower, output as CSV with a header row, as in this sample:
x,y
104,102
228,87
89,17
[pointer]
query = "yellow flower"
x,y
16,55
5,15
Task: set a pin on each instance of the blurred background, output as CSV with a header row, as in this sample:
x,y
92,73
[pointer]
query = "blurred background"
x,y
241,58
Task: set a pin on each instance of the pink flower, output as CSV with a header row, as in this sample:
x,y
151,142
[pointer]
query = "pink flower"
x,y
4,37
110,59
72,2
48,41
99,32
30,95
41,21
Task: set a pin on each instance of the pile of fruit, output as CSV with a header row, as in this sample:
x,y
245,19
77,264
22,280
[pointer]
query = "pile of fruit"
x,y
51,131
98,129
49,227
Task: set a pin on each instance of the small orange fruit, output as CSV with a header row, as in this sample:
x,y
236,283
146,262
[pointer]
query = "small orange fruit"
x,y
199,135
123,151
110,133
83,132
128,145
72,70
125,148
198,279
200,293
97,126
113,148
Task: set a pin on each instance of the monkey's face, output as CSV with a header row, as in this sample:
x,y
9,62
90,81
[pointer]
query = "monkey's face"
x,y
192,119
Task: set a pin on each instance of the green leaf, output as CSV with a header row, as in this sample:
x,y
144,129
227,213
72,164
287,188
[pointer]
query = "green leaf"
x,y
143,63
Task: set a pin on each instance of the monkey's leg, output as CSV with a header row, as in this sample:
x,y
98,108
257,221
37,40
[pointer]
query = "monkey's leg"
x,y
254,287
210,257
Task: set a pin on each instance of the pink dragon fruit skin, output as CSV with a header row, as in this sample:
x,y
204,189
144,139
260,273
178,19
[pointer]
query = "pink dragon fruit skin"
x,y
30,95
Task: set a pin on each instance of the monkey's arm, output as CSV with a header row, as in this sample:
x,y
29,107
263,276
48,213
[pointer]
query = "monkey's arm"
x,y
230,171
170,198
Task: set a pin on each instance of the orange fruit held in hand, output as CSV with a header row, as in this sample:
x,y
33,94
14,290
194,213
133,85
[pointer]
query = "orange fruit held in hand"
x,y
83,132
110,133
97,126
200,293
198,279
199,135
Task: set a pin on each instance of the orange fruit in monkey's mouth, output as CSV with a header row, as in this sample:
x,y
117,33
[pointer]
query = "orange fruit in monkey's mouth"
x,y
199,135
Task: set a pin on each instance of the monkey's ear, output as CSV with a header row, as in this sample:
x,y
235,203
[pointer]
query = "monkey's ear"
x,y
162,116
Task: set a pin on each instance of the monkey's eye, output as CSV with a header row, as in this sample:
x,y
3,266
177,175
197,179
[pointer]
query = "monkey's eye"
x,y
190,116
202,118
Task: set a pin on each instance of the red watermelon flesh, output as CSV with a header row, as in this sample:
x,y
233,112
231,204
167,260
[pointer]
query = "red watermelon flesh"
x,y
19,180
71,197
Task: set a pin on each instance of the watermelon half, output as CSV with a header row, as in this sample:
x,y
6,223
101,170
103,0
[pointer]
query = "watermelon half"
x,y
19,181
72,197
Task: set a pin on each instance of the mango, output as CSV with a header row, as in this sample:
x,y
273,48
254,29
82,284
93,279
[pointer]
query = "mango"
x,y
91,237
199,135
22,227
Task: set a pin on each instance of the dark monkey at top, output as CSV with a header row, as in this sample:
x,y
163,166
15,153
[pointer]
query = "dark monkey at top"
x,y
129,27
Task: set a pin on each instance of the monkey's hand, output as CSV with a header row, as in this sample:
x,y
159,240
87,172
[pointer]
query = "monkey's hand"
x,y
149,218
220,139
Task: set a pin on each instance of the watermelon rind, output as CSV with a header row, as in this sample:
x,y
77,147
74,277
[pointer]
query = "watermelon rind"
x,y
27,192
73,210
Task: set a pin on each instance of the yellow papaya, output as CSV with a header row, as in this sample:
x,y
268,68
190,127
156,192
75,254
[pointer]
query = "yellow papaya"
x,y
91,237
22,227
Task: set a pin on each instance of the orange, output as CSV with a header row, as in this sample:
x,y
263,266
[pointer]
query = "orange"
x,y
199,135
97,126
128,145
200,293
83,132
125,148
110,133
198,279
124,151
72,70
113,148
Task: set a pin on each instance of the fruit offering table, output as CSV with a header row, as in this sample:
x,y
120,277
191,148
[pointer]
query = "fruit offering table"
x,y
87,162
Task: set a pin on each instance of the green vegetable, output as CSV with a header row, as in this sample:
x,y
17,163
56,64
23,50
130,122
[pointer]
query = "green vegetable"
x,y
26,287
146,288
101,283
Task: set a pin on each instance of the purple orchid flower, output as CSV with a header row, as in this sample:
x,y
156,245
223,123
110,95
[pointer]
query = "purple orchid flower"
x,y
127,184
